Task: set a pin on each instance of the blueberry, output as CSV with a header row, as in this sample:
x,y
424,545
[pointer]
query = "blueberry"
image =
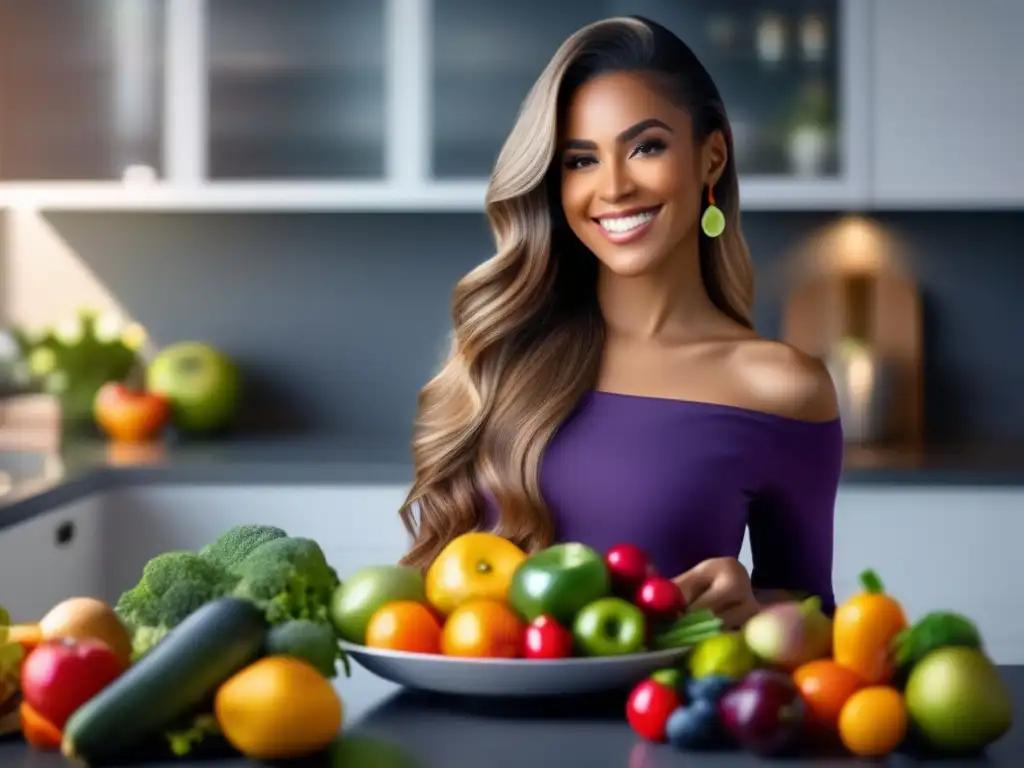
x,y
694,727
711,688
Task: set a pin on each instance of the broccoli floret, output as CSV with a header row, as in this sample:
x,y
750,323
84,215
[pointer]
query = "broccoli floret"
x,y
181,582
173,585
289,578
183,739
235,544
144,638
311,641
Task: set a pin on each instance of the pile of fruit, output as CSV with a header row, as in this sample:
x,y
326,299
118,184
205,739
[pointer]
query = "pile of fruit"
x,y
229,647
485,597
864,681
93,362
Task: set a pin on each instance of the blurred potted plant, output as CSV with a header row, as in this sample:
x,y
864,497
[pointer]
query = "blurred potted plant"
x,y
74,359
811,131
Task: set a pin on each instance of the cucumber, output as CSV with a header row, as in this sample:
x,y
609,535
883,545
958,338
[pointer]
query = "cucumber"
x,y
177,677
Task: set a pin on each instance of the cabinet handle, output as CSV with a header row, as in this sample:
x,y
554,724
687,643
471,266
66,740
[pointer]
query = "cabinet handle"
x,y
64,534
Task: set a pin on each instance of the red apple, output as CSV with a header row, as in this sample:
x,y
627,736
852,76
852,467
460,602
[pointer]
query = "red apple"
x,y
59,676
130,415
547,639
660,598
628,566
648,709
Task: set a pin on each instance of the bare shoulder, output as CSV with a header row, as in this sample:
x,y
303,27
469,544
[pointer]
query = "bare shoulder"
x,y
780,379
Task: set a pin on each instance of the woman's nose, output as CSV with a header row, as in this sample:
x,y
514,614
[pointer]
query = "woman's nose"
x,y
615,182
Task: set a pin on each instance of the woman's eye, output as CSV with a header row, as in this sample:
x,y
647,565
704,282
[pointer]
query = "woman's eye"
x,y
580,161
651,147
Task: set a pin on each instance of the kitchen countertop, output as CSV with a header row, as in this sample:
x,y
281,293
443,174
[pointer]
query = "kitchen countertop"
x,y
441,732
85,467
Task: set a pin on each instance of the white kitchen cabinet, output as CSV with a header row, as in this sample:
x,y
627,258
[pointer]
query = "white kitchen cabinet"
x,y
52,557
947,103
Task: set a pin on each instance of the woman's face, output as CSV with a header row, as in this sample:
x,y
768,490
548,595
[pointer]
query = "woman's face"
x,y
632,175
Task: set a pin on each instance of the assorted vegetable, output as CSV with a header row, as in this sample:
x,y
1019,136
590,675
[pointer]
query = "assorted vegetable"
x,y
240,641
484,597
235,642
865,680
174,680
288,578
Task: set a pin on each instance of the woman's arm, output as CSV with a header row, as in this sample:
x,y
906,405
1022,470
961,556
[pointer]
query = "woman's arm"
x,y
791,519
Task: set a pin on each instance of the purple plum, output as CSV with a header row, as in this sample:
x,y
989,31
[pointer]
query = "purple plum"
x,y
764,713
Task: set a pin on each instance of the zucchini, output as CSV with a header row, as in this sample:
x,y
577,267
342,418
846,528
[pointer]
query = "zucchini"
x,y
177,677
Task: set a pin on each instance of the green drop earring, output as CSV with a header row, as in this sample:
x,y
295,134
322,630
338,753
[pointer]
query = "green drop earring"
x,y
713,221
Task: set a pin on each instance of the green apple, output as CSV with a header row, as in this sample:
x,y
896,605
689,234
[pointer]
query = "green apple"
x,y
203,385
558,582
957,700
609,626
359,596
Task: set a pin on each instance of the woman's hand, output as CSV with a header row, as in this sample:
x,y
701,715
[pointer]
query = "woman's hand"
x,y
722,586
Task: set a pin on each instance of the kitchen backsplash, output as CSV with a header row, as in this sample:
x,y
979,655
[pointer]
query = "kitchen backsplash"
x,y
339,319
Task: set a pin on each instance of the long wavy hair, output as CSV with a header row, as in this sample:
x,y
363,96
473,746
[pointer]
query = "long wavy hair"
x,y
528,333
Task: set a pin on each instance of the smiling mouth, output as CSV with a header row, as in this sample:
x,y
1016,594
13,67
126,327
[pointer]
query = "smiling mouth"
x,y
623,225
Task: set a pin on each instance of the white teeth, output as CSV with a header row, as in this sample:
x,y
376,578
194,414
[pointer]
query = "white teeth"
x,y
627,223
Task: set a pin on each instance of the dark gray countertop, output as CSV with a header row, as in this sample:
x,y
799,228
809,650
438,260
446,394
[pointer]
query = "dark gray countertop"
x,y
92,466
438,732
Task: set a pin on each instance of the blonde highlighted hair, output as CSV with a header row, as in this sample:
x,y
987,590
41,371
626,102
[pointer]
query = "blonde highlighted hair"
x,y
528,333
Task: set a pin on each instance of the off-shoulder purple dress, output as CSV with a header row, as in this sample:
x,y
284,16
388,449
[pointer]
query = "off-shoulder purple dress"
x,y
684,479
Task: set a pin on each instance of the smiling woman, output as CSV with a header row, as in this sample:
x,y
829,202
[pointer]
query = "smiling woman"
x,y
605,384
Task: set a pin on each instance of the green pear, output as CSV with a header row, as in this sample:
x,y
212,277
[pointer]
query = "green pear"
x,y
958,701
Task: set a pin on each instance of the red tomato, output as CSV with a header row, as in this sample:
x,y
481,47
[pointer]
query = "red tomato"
x,y
59,676
547,639
648,709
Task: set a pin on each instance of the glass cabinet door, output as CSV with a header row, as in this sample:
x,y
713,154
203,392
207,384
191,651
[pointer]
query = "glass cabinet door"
x,y
81,89
296,89
775,62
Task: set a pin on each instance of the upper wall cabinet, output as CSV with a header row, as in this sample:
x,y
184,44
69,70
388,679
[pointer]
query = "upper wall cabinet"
x,y
948,104
777,63
81,89
404,104
295,90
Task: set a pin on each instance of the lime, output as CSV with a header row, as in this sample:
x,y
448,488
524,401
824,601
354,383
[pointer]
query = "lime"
x,y
726,655
713,221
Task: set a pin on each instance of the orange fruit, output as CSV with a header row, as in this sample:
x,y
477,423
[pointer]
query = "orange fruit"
x,y
37,730
474,566
873,721
404,625
483,629
278,707
825,687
